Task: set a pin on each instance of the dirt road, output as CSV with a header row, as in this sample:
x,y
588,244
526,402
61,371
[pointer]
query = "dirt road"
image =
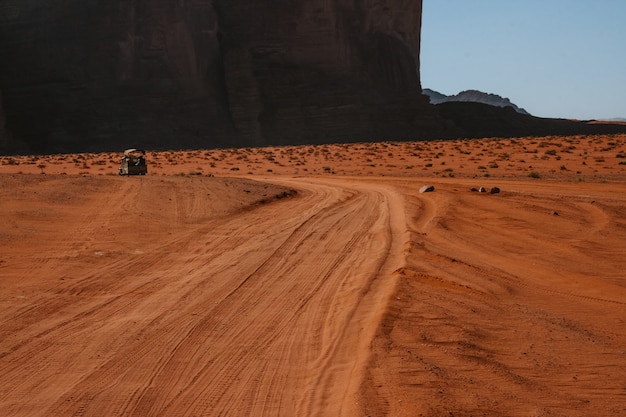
x,y
183,296
128,309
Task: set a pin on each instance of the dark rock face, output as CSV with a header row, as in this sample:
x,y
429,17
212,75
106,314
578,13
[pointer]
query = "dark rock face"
x,y
4,135
351,67
97,75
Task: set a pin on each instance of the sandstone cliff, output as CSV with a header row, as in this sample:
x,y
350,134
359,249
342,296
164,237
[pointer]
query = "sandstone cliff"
x,y
4,135
95,75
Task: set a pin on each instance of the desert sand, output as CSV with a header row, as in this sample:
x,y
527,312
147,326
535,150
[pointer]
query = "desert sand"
x,y
317,281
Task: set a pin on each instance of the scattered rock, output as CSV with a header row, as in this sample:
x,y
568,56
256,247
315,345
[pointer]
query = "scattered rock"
x,y
427,189
493,190
555,213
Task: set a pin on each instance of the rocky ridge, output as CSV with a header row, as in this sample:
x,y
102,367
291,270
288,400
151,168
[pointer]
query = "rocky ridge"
x,y
472,96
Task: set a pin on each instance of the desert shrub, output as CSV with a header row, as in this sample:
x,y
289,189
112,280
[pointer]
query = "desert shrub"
x,y
534,174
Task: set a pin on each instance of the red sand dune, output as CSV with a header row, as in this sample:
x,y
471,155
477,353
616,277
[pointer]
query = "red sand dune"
x,y
317,281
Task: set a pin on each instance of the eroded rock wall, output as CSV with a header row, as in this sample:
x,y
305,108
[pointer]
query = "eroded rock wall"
x,y
331,71
4,137
95,74
4,134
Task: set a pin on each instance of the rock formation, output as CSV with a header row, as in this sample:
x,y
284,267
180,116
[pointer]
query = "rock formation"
x,y
472,96
96,75
478,120
4,135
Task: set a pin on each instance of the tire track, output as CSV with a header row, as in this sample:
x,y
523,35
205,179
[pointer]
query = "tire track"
x,y
498,300
277,329
241,314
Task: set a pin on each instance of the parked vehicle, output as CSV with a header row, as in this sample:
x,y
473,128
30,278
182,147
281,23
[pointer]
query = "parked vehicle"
x,y
134,162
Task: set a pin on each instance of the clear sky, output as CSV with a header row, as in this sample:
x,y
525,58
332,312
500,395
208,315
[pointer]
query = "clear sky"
x,y
554,58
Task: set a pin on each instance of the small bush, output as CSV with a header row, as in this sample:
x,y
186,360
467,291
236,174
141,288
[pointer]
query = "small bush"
x,y
534,174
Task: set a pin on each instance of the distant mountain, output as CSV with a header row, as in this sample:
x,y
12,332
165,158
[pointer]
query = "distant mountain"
x,y
472,96
617,119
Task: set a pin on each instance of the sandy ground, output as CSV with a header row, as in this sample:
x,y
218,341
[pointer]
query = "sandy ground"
x,y
317,281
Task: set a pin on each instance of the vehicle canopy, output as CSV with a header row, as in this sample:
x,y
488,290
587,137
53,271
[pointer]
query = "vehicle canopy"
x,y
128,152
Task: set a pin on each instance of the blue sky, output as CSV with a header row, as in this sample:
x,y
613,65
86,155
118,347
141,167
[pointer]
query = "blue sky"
x,y
555,58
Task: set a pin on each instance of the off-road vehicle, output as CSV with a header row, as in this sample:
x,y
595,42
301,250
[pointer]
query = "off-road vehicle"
x,y
134,162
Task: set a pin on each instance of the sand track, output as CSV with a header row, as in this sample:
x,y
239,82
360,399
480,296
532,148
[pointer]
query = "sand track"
x,y
259,312
196,296
509,304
